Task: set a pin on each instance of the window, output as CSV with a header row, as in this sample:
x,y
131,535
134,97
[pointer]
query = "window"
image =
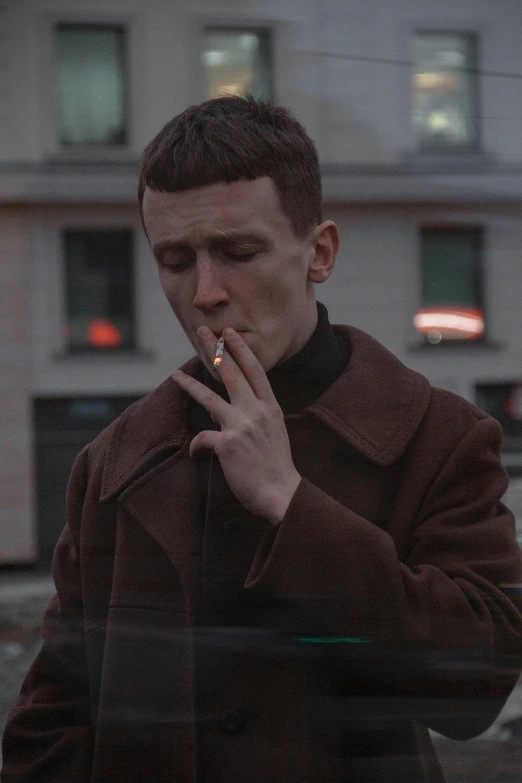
x,y
445,99
237,61
452,306
91,84
99,290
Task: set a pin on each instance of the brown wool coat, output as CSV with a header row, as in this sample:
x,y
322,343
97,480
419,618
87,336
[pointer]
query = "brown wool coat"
x,y
182,649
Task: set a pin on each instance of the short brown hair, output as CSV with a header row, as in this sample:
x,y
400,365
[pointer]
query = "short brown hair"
x,y
237,138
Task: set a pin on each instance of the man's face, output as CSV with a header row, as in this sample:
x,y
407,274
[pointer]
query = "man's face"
x,y
227,255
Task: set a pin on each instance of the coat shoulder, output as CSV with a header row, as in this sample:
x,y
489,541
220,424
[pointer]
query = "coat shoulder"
x,y
454,432
381,406
452,416
449,401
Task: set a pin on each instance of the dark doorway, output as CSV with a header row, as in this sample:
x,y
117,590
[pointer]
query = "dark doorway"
x,y
63,428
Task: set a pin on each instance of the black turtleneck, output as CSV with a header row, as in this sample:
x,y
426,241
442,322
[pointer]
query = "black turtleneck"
x,y
302,378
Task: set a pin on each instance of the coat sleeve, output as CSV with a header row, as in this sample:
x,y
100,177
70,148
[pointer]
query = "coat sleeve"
x,y
438,634
49,733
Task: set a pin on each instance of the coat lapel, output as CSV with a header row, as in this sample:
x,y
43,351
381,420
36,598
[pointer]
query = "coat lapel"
x,y
149,471
377,404
167,505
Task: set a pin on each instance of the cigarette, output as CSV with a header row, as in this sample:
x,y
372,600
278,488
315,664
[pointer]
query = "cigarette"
x,y
219,354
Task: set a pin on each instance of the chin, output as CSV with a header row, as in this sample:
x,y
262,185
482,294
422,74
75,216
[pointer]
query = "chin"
x,y
269,363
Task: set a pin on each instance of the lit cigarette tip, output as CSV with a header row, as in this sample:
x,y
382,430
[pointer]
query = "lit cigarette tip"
x,y
219,353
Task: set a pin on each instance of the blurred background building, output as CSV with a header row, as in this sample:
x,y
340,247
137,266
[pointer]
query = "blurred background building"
x,y
416,110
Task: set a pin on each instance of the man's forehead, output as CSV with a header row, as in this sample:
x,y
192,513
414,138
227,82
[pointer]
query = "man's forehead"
x,y
225,210
237,193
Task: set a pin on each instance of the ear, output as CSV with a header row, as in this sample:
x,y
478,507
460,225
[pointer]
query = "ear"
x,y
326,245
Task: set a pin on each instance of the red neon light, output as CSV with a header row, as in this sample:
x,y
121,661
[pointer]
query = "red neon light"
x,y
450,322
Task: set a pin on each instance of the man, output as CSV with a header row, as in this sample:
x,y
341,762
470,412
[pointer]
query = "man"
x,y
287,568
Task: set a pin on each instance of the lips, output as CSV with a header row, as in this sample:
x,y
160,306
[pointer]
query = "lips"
x,y
218,332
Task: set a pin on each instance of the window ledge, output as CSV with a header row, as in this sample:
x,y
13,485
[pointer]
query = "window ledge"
x,y
457,345
117,354
86,155
453,160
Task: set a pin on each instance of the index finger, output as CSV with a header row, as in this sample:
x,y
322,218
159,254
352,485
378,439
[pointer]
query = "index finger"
x,y
237,385
249,364
219,409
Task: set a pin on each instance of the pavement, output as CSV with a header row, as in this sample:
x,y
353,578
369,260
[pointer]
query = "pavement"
x,y
494,757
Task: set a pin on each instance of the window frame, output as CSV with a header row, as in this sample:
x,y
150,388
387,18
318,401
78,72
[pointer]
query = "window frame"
x,y
253,30
444,149
48,286
475,23
132,346
125,73
481,237
53,149
278,30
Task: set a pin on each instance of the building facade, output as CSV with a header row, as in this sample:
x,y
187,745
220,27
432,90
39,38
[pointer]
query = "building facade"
x,y
416,111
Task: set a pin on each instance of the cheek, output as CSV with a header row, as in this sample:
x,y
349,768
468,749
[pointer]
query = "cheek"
x,y
173,292
276,287
288,293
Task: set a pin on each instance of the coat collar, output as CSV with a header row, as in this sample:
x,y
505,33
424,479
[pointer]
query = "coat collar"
x,y
376,406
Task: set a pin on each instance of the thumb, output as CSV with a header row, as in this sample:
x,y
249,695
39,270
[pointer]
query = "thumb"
x,y
204,441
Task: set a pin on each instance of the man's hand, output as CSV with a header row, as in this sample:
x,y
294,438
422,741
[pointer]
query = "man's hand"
x,y
252,446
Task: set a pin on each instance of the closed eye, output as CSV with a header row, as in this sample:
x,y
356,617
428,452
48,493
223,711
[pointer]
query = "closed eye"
x,y
174,261
241,256
178,266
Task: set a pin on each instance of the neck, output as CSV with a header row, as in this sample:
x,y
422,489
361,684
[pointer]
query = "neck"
x,y
303,377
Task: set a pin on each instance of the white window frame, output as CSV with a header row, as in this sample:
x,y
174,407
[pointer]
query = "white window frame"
x,y
426,216
92,350
49,290
480,28
480,230
277,30
258,30
48,87
442,148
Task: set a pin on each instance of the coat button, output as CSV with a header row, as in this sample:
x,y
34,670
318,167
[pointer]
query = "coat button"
x,y
231,528
232,721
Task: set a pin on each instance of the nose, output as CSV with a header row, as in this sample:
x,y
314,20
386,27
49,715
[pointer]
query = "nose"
x,y
210,291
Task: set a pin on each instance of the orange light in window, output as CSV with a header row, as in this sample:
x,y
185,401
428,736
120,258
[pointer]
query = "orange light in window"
x,y
103,334
449,323
437,81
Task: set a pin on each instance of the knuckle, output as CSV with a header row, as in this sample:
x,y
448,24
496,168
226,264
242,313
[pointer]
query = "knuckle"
x,y
227,442
271,411
259,418
247,427
275,410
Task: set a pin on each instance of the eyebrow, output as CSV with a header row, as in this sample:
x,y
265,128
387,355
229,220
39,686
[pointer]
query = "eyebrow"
x,y
222,238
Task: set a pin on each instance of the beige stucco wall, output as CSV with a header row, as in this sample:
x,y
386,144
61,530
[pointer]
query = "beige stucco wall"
x,y
17,529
